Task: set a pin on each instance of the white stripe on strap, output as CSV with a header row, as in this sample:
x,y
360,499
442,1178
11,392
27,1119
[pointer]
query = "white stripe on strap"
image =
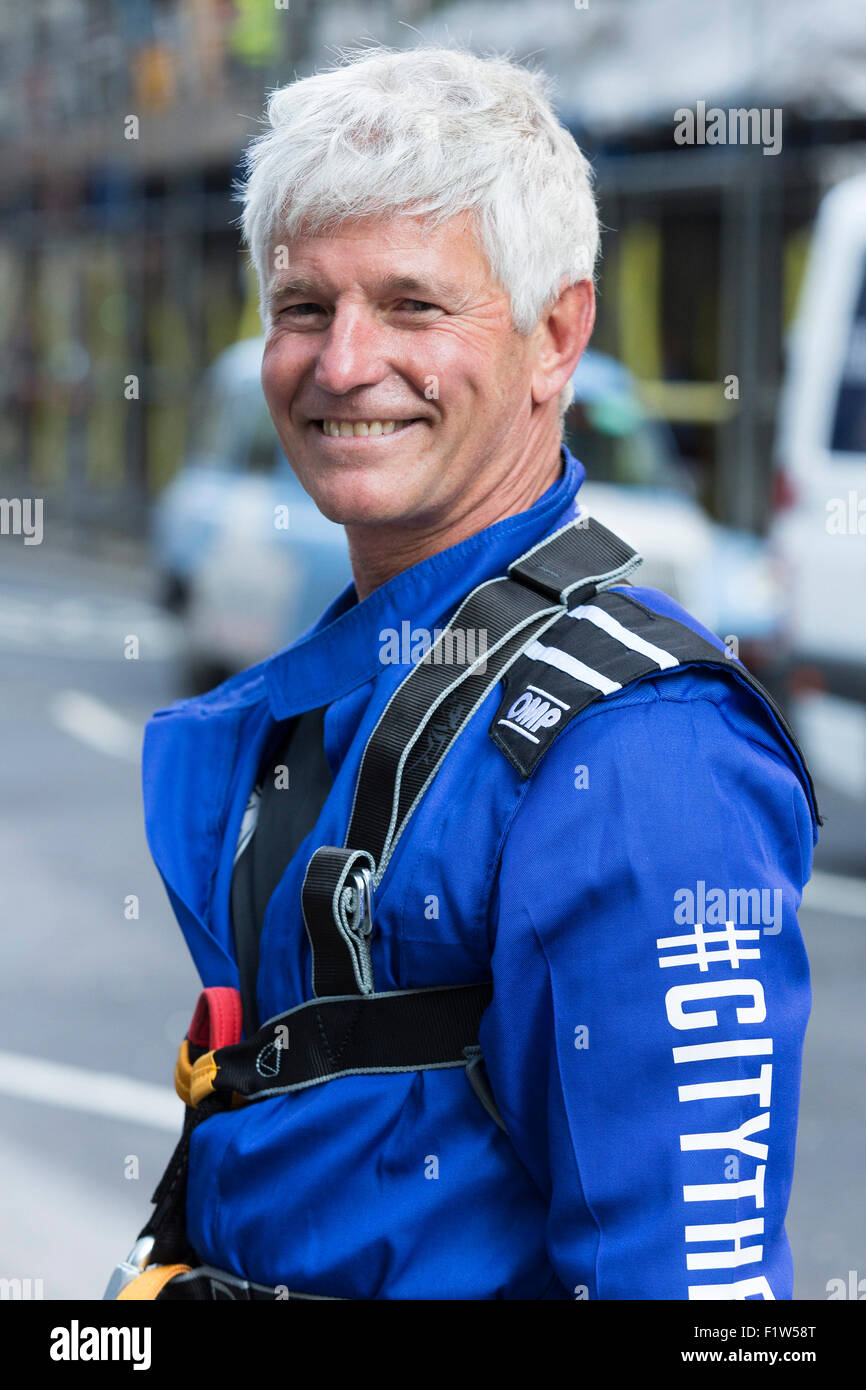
x,y
517,729
623,634
552,656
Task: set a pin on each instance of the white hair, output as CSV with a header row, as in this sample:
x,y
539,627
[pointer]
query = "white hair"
x,y
430,132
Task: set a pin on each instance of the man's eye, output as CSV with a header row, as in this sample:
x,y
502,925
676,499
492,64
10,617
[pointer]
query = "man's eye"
x,y
417,306
302,310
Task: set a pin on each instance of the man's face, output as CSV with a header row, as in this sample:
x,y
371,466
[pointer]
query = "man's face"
x,y
399,337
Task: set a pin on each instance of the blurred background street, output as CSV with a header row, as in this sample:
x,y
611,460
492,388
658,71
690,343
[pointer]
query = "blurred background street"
x,y
721,416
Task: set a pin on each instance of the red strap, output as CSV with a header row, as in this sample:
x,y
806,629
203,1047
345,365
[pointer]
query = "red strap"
x,y
218,1018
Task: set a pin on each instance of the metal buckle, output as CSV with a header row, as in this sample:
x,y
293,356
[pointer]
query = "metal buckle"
x,y
130,1268
360,913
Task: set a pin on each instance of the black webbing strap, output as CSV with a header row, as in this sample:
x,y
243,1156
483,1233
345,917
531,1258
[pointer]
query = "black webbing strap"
x,y
288,809
560,571
400,1030
337,929
423,719
167,1223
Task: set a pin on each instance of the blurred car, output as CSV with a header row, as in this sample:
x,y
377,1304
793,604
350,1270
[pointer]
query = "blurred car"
x,y
639,486
243,555
818,529
245,586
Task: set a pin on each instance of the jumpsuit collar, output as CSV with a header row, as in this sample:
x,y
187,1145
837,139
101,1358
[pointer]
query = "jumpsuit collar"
x,y
342,650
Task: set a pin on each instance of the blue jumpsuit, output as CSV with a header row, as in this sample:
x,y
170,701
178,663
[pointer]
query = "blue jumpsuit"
x,y
644,1056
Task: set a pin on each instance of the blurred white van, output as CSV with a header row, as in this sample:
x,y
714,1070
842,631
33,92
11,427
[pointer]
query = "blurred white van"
x,y
818,531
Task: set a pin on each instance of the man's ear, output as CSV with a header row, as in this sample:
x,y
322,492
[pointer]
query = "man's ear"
x,y
563,332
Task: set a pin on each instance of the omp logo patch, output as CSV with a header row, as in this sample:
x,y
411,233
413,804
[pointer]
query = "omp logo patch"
x,y
534,709
533,713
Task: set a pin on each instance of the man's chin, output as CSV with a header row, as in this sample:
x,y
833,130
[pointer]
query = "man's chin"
x,y
367,505
360,482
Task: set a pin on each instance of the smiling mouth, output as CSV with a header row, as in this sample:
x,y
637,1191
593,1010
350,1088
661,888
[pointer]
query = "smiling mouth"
x,y
361,429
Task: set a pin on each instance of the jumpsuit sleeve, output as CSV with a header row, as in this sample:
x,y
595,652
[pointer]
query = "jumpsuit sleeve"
x,y
651,992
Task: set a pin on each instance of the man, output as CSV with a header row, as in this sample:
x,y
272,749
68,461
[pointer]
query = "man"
x,y
617,842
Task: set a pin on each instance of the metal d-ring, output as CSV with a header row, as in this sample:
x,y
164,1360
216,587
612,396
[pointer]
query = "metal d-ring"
x,y
360,915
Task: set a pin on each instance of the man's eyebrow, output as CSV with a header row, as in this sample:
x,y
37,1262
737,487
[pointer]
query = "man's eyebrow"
x,y
284,285
292,285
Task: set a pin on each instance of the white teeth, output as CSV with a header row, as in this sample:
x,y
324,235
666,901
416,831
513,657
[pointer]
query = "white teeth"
x,y
346,429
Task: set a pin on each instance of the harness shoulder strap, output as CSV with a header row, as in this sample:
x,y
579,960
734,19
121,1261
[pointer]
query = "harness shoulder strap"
x,y
276,823
422,721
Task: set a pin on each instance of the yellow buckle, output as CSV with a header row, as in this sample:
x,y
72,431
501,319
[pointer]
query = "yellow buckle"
x,y
192,1084
183,1072
193,1080
151,1282
202,1078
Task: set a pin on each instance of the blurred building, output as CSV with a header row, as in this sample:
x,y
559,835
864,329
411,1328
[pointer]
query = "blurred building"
x,y
705,243
121,273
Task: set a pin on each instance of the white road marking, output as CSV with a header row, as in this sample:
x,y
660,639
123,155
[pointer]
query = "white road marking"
x,y
95,628
836,893
96,1092
96,724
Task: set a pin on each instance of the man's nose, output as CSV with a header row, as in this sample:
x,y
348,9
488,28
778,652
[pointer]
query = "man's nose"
x,y
353,351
